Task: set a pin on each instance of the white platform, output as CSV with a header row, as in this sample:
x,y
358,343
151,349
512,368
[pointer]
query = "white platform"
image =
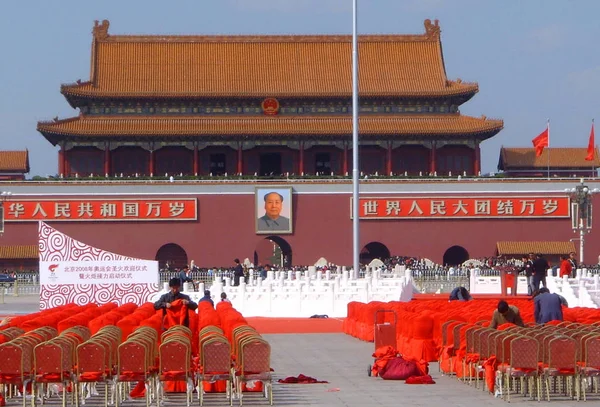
x,y
288,294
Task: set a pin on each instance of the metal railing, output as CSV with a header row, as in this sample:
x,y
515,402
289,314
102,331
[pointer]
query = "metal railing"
x,y
426,279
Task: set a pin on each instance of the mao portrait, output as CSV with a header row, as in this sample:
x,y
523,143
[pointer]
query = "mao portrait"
x,y
273,210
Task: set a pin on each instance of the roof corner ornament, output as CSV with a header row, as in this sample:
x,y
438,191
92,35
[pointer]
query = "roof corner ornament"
x,y
432,30
101,29
483,117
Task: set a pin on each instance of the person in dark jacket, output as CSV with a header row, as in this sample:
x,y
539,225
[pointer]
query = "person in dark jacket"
x,y
207,298
540,269
460,294
165,300
184,277
528,270
548,306
238,272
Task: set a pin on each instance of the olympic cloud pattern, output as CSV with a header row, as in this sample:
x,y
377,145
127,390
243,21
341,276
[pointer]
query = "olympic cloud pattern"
x,y
55,246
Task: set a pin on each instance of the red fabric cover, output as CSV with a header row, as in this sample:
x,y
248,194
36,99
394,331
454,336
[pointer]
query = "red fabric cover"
x,y
138,391
382,356
2,401
426,379
301,379
490,365
219,386
175,315
399,369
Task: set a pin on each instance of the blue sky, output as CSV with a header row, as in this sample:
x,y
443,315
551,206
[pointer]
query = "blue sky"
x,y
533,60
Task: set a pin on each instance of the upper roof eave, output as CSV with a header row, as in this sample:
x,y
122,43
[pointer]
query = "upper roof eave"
x,y
88,91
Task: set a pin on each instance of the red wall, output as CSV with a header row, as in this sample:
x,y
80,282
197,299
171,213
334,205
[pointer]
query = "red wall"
x,y
322,228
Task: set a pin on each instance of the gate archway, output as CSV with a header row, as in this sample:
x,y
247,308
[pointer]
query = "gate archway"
x,y
173,254
273,250
374,250
455,255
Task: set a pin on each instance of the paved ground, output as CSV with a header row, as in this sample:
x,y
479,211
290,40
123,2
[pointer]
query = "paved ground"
x,y
23,304
339,359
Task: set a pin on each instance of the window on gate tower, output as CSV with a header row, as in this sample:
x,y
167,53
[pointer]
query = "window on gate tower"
x,y
323,162
218,164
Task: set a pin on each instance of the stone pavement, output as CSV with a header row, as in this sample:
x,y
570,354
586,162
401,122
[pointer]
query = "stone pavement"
x,y
343,361
23,304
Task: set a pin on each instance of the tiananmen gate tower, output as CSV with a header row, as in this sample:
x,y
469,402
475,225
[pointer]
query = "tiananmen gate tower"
x,y
182,146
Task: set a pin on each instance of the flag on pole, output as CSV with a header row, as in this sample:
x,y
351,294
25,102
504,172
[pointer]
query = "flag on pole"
x,y
591,146
541,141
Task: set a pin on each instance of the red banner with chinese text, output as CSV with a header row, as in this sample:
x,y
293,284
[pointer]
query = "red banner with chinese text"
x,y
119,210
456,208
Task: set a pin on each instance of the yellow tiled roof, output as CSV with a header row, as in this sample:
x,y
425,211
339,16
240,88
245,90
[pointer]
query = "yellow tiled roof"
x,y
267,66
17,161
511,158
441,124
521,248
19,252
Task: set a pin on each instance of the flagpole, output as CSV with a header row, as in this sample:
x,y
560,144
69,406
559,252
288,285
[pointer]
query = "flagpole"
x,y
355,166
548,128
593,154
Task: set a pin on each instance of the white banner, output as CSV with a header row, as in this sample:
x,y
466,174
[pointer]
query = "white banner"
x,y
98,272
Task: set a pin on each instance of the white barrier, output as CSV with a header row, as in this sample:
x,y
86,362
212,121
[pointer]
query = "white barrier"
x,y
581,291
297,295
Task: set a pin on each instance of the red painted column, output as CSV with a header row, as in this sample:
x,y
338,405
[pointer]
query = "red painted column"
x,y
151,164
345,160
388,161
65,157
239,159
477,161
195,160
432,157
61,162
106,160
301,159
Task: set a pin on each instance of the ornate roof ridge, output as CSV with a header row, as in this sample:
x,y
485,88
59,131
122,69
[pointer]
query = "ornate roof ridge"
x,y
386,117
100,32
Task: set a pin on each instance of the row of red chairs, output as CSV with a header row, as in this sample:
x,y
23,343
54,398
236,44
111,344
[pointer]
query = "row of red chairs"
x,y
419,333
537,353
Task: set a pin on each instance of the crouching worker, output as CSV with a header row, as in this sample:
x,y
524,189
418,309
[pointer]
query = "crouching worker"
x,y
175,305
460,294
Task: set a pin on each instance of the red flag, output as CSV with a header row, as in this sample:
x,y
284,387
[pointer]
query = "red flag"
x,y
591,146
541,141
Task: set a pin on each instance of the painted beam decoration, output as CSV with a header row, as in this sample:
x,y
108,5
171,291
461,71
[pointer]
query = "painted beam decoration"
x,y
519,207
101,210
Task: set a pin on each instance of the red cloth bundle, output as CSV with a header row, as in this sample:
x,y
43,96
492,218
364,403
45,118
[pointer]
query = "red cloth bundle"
x,y
420,380
301,379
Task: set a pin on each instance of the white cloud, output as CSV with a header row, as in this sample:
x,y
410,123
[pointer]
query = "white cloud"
x,y
545,38
292,6
585,81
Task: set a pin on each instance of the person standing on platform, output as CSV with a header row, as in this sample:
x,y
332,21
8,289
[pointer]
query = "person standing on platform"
x,y
573,261
184,277
540,269
528,269
506,314
566,267
238,272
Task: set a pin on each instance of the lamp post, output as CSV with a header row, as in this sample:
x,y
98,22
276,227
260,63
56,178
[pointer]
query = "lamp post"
x,y
4,195
581,212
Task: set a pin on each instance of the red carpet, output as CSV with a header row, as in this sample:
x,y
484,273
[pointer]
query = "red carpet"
x,y
444,296
295,325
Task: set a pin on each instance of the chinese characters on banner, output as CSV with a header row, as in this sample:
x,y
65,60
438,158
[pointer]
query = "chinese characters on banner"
x,y
120,210
99,272
452,207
